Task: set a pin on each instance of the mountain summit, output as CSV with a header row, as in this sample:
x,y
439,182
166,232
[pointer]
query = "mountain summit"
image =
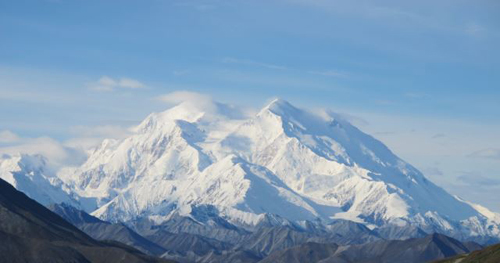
x,y
283,160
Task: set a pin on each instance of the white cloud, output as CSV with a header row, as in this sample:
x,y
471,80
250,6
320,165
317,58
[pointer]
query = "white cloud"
x,y
354,119
205,103
130,83
106,83
68,153
193,99
107,131
88,137
8,137
178,97
57,153
84,144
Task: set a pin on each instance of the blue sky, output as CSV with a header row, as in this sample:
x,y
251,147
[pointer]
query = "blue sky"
x,y
423,77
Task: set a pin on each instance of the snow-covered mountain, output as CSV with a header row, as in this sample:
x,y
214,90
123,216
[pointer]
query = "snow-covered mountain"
x,y
31,175
283,160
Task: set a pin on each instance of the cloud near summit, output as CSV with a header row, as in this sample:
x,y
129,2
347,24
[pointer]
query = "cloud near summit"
x,y
106,83
178,97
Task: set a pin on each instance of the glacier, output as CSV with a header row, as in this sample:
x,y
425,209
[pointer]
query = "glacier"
x,y
293,163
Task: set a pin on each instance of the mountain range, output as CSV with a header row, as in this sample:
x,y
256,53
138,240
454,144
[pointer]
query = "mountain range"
x,y
32,233
227,177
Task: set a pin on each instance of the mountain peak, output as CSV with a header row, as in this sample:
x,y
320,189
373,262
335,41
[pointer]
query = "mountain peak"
x,y
278,103
280,107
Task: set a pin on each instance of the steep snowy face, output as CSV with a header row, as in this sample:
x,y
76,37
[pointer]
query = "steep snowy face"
x,y
236,188
166,149
30,174
331,162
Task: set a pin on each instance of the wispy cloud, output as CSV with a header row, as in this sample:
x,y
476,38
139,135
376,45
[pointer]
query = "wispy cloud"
x,y
130,83
247,62
415,95
197,5
16,93
205,103
178,97
58,153
193,99
384,102
404,14
7,136
106,83
474,29
490,153
252,63
331,73
104,131
476,179
88,137
62,153
180,72
357,120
